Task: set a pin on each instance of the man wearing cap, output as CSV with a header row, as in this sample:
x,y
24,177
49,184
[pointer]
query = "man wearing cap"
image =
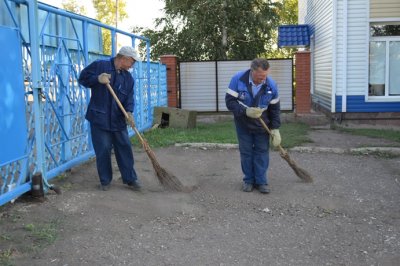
x,y
107,122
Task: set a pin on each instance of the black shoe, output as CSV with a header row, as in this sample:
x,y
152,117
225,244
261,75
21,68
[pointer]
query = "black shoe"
x,y
135,185
104,187
263,189
247,187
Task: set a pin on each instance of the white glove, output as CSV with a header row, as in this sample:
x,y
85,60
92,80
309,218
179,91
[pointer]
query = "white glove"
x,y
130,120
254,112
104,78
275,137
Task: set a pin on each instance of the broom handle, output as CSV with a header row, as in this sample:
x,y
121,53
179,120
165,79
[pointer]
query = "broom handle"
x,y
281,150
144,143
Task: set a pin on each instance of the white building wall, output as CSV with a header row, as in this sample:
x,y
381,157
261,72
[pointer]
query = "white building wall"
x,y
357,47
384,9
302,7
319,15
351,49
341,32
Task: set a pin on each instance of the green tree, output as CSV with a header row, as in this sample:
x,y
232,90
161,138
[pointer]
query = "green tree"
x,y
109,12
215,29
73,6
288,15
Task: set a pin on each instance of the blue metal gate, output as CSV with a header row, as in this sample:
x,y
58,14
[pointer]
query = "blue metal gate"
x,y
42,108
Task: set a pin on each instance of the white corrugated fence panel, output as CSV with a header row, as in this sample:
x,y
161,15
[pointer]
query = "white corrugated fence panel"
x,y
226,69
282,72
197,82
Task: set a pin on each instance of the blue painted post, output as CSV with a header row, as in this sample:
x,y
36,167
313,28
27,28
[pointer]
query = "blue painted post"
x,y
65,112
159,84
36,86
140,92
149,109
86,62
113,43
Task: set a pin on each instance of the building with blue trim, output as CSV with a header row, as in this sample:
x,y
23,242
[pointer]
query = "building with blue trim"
x,y
355,56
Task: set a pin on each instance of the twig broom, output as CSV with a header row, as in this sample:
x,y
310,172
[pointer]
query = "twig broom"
x,y
166,179
303,174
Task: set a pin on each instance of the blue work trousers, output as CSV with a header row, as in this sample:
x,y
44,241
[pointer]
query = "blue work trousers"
x,y
254,155
103,141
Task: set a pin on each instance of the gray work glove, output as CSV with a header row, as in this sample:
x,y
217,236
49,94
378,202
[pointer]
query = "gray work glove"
x,y
254,112
130,121
104,78
275,137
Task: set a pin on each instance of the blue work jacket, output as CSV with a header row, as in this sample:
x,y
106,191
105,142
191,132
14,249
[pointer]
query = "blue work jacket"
x,y
240,91
103,111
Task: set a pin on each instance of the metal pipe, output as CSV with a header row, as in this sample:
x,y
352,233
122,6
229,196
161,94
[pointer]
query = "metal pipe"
x,y
76,16
36,85
16,192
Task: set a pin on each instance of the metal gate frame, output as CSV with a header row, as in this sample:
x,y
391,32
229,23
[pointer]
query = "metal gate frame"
x,y
58,136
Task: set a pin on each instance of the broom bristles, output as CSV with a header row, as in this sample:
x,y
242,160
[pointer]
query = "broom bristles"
x,y
163,176
166,179
300,172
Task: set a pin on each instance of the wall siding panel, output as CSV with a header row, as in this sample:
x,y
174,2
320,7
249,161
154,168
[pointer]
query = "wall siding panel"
x,y
319,16
197,81
204,84
357,48
384,9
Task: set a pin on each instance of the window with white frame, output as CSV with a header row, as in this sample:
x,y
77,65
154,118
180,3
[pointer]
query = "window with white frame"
x,y
384,59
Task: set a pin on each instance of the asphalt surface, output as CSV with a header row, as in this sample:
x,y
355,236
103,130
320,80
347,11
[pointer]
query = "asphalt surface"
x,y
349,215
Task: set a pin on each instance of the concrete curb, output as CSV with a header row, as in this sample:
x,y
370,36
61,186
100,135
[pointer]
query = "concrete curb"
x,y
364,150
206,146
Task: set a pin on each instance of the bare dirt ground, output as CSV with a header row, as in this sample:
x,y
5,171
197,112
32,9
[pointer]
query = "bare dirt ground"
x,y
350,215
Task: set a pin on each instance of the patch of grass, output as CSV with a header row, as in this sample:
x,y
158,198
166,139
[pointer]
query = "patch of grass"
x,y
223,132
388,134
61,177
293,134
66,186
5,237
5,256
43,234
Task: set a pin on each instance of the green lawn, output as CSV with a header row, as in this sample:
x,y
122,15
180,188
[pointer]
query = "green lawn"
x,y
293,134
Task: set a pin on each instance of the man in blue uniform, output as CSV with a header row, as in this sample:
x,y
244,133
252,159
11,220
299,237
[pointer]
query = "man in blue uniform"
x,y
252,95
107,122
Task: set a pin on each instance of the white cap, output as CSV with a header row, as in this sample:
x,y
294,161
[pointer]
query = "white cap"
x,y
129,52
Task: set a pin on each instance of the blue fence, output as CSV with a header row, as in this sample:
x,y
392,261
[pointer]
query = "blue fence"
x,y
42,108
